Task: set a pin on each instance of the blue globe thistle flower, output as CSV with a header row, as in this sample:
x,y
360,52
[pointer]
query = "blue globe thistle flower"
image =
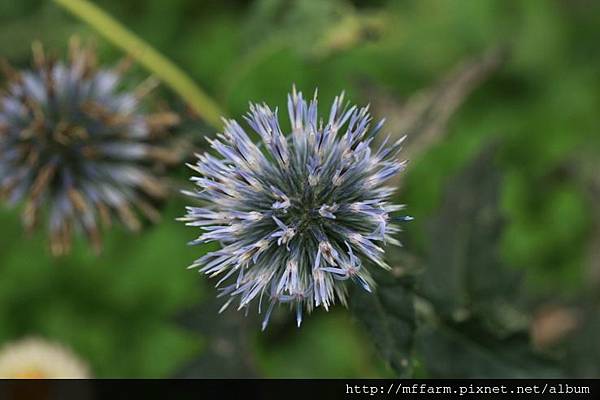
x,y
77,148
299,214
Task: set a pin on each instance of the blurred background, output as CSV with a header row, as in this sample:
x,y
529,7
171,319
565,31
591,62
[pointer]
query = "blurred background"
x,y
500,270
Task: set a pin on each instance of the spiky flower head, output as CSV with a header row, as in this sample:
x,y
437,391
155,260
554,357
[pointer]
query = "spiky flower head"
x,y
77,147
299,214
36,358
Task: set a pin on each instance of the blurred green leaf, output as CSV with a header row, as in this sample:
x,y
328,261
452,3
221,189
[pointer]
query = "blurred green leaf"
x,y
389,318
228,350
473,327
464,271
299,24
18,30
328,345
465,350
116,310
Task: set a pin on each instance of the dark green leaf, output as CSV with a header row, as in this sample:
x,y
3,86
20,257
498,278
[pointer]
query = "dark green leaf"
x,y
473,326
389,318
464,269
467,350
228,352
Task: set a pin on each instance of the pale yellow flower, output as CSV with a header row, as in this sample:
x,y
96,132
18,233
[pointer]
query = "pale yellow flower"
x,y
35,358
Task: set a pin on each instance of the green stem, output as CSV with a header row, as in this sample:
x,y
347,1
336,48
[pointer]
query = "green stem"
x,y
147,56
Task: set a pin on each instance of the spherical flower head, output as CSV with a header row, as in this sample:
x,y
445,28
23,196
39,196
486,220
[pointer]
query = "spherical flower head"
x,y
300,214
78,147
35,358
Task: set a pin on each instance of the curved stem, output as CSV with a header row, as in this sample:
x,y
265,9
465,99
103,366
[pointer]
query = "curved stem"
x,y
147,56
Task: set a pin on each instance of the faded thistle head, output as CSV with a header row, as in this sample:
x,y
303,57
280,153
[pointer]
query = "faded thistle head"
x,y
77,148
299,214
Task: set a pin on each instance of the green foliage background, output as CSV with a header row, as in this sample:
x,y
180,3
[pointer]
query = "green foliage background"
x,y
499,234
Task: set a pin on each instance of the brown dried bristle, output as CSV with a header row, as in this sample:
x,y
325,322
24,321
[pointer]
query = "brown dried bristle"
x,y
83,151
